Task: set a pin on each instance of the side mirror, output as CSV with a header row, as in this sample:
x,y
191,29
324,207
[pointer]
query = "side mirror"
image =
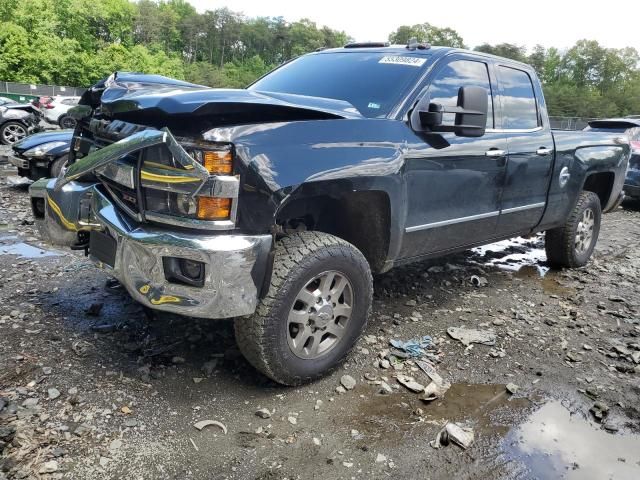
x,y
471,114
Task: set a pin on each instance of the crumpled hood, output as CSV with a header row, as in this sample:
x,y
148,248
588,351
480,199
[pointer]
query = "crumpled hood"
x,y
161,101
44,137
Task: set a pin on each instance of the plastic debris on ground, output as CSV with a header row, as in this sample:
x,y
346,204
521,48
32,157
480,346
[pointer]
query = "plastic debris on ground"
x,y
468,336
438,386
453,433
16,181
410,383
478,281
415,347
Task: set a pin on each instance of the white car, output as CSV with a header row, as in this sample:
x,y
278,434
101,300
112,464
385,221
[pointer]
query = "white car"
x,y
56,111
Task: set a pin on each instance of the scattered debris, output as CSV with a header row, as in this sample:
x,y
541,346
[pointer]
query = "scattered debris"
x,y
410,383
263,413
380,458
49,467
17,181
385,388
130,422
477,281
207,423
53,393
81,347
599,410
438,386
453,433
348,382
115,445
467,336
415,347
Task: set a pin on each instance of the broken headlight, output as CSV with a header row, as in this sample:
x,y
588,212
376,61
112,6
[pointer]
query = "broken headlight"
x,y
42,150
168,185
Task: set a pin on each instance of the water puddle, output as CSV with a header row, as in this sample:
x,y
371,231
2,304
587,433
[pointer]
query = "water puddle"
x,y
10,245
549,281
554,443
513,254
488,408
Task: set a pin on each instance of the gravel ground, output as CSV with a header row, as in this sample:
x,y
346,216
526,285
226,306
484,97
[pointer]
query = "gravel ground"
x,y
92,387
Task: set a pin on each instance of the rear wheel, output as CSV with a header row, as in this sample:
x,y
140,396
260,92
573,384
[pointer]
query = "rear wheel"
x,y
67,121
315,310
12,132
572,244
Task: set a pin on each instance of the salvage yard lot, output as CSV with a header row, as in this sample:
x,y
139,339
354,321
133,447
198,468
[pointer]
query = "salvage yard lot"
x,y
91,387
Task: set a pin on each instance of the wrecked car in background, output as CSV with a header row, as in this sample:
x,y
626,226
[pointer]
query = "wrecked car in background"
x,y
17,120
41,155
631,127
274,204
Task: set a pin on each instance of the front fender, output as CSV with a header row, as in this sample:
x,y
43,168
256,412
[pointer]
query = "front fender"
x,y
281,161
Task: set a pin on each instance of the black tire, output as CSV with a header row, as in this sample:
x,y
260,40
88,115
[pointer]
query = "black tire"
x,y
11,132
57,165
67,121
264,337
560,243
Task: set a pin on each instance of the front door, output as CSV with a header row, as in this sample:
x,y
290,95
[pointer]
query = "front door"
x,y
453,183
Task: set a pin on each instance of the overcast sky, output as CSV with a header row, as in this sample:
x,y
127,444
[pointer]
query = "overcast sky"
x,y
559,23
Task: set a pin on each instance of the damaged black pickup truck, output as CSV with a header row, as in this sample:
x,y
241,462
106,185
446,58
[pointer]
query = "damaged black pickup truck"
x,y
275,204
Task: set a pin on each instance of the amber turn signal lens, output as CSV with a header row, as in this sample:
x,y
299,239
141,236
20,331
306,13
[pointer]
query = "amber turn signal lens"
x,y
212,208
219,162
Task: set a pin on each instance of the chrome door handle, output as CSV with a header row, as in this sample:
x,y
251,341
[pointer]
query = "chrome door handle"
x,y
495,153
544,151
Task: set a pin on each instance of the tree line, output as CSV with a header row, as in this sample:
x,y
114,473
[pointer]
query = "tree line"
x,y
77,42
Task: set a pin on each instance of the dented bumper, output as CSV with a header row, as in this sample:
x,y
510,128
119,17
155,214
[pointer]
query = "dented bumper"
x,y
139,255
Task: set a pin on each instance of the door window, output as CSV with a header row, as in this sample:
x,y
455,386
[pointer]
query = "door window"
x,y
460,73
519,108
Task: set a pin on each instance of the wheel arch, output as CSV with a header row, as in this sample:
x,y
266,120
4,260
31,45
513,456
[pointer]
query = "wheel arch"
x,y
363,217
602,184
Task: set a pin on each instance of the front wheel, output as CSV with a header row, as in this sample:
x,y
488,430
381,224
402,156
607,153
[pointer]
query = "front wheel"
x,y
58,165
572,244
12,132
316,308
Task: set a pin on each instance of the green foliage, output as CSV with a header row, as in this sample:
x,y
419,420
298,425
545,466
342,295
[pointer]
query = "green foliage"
x,y
77,42
507,50
588,80
425,32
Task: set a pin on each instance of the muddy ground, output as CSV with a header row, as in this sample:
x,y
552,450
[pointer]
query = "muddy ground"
x,y
91,387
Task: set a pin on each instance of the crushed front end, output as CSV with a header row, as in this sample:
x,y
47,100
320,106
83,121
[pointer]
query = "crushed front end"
x,y
160,213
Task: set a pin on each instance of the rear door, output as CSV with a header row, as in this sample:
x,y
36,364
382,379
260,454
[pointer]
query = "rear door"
x,y
453,183
531,150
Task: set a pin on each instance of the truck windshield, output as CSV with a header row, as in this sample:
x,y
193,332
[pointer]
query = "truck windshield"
x,y
373,82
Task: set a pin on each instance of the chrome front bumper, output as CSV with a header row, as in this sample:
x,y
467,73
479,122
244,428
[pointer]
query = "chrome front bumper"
x,y
235,265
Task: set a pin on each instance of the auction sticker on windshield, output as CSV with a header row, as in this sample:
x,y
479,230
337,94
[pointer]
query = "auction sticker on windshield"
x,y
399,60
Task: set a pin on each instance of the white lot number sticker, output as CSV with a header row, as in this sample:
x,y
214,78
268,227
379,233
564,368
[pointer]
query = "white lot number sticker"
x,y
399,60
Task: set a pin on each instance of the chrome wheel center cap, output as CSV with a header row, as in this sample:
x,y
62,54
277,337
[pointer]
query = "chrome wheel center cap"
x,y
322,315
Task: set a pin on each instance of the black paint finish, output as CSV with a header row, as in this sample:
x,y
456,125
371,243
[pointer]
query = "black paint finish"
x,y
444,192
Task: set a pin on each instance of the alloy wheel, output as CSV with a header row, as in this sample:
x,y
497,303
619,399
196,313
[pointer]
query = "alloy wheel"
x,y
319,316
584,232
13,133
